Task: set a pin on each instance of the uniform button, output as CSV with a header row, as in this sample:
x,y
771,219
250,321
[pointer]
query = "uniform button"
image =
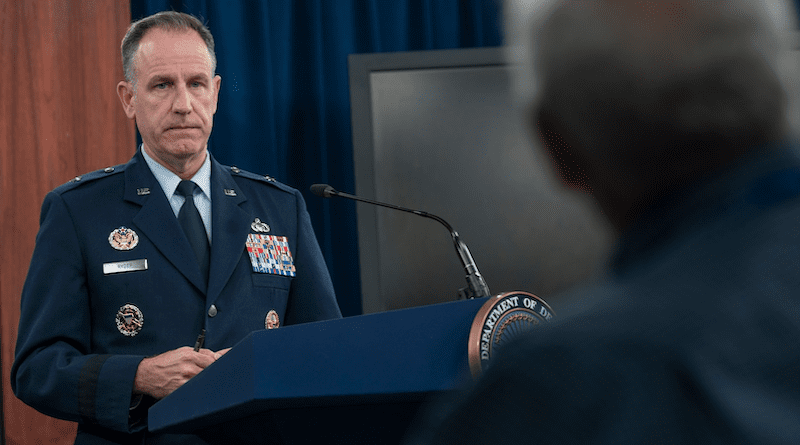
x,y
108,169
212,311
235,169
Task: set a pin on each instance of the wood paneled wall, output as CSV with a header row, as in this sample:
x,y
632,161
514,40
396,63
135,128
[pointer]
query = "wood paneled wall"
x,y
59,117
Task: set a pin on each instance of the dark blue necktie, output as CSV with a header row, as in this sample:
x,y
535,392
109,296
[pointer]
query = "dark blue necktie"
x,y
192,224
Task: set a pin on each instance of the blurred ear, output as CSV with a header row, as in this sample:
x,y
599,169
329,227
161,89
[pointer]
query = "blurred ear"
x,y
125,93
555,141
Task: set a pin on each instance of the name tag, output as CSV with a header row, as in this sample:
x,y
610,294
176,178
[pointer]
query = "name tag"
x,y
124,266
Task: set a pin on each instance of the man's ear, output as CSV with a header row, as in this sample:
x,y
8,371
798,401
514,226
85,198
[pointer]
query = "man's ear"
x,y
545,126
556,143
217,83
125,93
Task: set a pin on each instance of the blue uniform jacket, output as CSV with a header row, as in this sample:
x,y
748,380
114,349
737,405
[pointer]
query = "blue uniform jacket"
x,y
73,358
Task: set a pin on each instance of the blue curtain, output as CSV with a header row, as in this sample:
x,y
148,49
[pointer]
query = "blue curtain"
x,y
284,106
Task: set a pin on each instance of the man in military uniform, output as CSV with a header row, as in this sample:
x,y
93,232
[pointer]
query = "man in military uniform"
x,y
133,262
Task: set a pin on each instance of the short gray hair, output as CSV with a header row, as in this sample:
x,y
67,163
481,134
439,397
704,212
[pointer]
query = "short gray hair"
x,y
165,20
727,84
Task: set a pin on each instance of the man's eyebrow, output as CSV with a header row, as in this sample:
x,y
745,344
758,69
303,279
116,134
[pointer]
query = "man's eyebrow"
x,y
199,75
158,78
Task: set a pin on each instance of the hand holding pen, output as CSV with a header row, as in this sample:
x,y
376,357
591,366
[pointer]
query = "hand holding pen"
x,y
159,375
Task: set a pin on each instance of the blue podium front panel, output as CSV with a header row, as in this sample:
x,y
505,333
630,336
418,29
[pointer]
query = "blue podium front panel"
x,y
384,359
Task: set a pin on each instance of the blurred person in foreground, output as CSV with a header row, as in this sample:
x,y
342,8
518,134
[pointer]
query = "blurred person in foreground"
x,y
674,117
135,263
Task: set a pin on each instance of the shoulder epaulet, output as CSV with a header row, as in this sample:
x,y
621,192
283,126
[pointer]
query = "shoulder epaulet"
x,y
89,177
236,171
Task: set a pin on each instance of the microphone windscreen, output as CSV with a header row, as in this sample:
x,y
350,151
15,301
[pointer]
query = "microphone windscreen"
x,y
323,190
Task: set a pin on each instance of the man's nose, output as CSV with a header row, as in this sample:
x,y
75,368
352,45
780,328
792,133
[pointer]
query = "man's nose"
x,y
183,101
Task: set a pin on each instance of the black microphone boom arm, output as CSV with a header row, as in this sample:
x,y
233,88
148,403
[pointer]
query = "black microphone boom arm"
x,y
476,285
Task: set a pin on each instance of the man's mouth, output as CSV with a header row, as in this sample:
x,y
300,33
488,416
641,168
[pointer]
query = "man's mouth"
x,y
182,127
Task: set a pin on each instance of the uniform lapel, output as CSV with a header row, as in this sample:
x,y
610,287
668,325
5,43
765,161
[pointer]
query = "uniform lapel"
x,y
157,221
230,226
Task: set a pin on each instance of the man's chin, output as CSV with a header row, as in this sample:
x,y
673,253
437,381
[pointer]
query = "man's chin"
x,y
184,147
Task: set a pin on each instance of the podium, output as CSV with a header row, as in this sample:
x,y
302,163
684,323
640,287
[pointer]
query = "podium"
x,y
354,380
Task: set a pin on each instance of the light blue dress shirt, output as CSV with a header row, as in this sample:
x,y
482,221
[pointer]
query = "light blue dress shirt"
x,y
169,183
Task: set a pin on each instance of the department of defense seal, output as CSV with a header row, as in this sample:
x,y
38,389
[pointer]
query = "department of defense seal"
x,y
500,319
272,320
129,320
123,238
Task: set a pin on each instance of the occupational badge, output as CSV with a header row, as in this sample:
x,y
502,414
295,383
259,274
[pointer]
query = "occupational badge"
x,y
259,226
272,321
129,320
270,254
123,238
500,319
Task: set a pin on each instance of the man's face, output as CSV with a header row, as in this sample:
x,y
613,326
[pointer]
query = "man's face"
x,y
173,98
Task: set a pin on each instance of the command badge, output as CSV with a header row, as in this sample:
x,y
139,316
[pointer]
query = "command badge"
x,y
123,239
272,321
129,320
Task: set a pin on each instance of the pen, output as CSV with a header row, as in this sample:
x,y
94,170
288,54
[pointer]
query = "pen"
x,y
200,339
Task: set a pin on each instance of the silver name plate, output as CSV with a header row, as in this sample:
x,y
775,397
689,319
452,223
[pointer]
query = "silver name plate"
x,y
124,266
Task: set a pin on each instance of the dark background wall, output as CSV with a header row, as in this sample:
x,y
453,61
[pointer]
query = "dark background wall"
x,y
438,131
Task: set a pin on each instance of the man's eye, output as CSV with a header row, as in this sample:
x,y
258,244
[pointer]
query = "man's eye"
x,y
196,84
162,85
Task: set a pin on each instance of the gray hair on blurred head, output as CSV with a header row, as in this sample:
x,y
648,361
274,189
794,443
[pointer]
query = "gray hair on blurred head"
x,y
637,98
656,87
524,18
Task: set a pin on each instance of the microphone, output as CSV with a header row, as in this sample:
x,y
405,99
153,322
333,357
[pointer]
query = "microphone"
x,y
476,285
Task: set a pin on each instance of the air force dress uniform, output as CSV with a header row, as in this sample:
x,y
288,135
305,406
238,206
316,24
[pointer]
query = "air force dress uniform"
x,y
113,279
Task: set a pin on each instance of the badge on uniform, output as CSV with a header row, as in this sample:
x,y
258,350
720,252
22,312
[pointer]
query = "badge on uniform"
x,y
272,320
270,254
258,226
123,238
129,320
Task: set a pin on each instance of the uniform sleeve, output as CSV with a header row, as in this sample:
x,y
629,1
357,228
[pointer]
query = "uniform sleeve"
x,y
312,297
55,370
